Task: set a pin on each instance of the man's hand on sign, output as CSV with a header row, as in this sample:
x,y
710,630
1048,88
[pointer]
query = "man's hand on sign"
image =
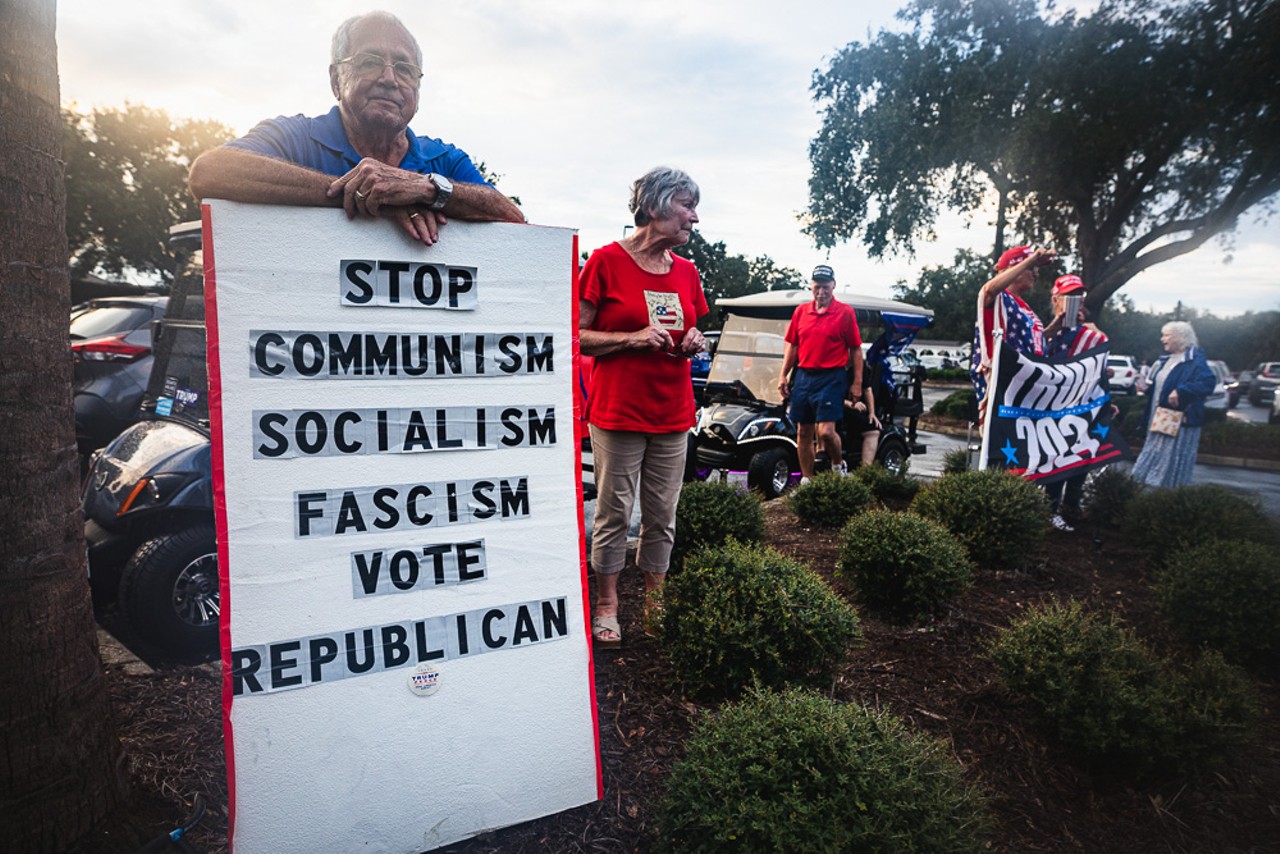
x,y
373,184
420,223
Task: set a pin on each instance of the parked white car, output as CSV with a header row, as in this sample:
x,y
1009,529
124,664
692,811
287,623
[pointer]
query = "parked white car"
x,y
1123,374
1219,397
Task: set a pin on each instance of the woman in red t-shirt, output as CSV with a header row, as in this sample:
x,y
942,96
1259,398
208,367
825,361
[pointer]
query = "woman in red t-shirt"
x,y
639,304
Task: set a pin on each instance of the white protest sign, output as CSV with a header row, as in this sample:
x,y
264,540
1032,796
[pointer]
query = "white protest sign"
x,y
404,614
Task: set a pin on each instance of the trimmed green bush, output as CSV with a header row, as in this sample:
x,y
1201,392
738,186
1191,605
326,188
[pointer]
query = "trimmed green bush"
x,y
1238,439
1107,493
902,566
1225,595
999,517
1094,687
954,405
796,771
830,499
955,460
740,614
710,513
886,486
1166,521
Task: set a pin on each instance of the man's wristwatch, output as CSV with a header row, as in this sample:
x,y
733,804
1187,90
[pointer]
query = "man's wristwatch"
x,y
444,189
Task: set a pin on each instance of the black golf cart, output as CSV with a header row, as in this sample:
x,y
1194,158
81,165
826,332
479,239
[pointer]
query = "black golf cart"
x,y
744,425
148,495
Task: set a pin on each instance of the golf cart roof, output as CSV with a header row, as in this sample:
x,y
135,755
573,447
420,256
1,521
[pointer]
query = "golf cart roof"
x,y
768,303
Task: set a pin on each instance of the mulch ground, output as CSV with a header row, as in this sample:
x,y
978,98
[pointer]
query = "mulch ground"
x,y
933,676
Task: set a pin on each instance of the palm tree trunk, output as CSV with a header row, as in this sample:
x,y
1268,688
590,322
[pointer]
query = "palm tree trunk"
x,y
58,769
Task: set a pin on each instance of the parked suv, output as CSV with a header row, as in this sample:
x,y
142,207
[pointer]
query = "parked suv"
x,y
111,354
1122,374
1262,390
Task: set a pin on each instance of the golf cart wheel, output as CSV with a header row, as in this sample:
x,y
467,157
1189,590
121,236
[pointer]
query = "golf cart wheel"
x,y
893,455
169,590
770,472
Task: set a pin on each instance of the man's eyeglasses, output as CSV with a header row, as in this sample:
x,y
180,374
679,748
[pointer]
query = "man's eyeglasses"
x,y
370,65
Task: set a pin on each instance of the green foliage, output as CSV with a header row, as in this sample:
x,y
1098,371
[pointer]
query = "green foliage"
x,y
949,374
1107,494
903,567
951,291
1238,439
830,499
999,517
725,275
1225,595
739,615
1176,148
1091,685
885,485
955,460
954,405
126,176
795,771
709,513
1163,522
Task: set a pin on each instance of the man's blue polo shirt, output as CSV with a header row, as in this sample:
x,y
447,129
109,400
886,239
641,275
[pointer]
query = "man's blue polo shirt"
x,y
320,143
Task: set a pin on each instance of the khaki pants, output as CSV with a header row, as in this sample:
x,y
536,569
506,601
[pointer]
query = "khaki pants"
x,y
624,459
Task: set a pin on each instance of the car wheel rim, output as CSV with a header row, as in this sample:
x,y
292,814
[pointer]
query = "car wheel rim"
x,y
781,476
893,462
195,592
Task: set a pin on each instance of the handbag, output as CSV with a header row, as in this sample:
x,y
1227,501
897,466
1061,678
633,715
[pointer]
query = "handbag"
x,y
1165,420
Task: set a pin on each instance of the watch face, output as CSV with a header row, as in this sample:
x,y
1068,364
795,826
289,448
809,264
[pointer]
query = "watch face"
x,y
444,188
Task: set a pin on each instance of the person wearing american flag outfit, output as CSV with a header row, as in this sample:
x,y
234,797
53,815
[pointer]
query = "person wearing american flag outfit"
x,y
1002,305
1067,337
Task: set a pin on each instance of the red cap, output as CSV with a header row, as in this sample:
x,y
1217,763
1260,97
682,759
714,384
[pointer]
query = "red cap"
x,y
1017,255
1067,284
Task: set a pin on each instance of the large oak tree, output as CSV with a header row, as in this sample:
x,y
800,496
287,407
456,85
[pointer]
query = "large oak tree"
x,y
126,173
1128,136
58,769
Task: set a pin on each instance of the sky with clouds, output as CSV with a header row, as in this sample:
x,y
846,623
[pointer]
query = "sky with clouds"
x,y
571,100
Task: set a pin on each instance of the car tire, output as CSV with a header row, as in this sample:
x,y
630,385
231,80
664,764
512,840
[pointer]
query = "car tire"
x,y
769,472
893,455
169,590
1233,400
1255,399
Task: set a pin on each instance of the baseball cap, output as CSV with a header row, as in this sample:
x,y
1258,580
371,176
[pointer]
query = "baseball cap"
x,y
1015,256
823,273
1067,284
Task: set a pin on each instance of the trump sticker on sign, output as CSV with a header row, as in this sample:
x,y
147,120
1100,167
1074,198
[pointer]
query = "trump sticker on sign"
x,y
398,497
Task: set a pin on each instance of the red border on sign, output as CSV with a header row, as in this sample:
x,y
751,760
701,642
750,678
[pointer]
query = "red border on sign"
x,y
219,502
579,433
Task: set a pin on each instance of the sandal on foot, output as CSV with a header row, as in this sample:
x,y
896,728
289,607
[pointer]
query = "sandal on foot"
x,y
602,625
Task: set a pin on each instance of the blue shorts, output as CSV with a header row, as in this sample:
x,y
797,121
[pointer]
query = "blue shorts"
x,y
818,395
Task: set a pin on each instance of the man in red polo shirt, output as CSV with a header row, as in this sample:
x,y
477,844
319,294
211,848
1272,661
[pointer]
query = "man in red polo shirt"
x,y
821,338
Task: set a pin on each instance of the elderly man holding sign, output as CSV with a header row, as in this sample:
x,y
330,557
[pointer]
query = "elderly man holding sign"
x,y
361,155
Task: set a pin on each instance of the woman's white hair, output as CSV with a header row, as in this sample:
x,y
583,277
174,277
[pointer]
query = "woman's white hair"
x,y
1184,337
652,193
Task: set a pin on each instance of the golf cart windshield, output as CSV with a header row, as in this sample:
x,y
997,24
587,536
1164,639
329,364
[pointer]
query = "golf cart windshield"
x,y
179,382
750,351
